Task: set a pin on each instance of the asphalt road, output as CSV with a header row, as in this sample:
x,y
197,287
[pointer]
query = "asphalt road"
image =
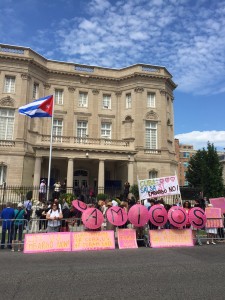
x,y
144,273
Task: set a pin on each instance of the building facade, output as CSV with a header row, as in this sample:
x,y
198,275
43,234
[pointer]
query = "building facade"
x,y
183,154
109,125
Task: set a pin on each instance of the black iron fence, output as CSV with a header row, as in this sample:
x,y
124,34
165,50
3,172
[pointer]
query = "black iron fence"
x,y
16,194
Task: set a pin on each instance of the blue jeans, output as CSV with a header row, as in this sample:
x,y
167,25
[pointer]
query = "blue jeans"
x,y
8,229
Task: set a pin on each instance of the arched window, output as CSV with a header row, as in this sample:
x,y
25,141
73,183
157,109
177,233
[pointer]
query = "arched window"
x,y
153,174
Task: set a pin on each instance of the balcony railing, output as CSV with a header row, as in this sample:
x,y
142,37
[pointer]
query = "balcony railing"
x,y
80,141
152,151
7,143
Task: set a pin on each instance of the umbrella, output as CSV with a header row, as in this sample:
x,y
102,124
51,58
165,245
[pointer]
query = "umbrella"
x,y
80,205
158,215
177,216
116,215
138,215
92,218
197,217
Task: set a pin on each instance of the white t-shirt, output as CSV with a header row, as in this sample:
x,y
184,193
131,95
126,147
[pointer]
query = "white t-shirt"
x,y
54,213
114,203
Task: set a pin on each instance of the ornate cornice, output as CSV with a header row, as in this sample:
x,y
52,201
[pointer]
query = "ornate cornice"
x,y
47,86
151,115
139,89
25,76
166,93
163,92
7,101
95,92
71,89
128,119
106,116
84,79
77,113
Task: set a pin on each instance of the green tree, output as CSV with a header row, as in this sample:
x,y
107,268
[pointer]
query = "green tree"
x,y
135,191
205,172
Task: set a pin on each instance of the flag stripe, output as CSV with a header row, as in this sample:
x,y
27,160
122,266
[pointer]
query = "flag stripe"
x,y
39,108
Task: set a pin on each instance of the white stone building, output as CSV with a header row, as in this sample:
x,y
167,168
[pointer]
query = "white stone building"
x,y
110,125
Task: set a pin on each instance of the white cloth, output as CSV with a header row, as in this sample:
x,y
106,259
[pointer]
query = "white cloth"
x,y
114,203
146,203
54,213
211,230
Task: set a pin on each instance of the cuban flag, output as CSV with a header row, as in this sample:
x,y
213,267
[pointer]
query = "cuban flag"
x,y
40,108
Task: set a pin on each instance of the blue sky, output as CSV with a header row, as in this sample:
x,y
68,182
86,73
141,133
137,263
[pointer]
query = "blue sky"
x,y
185,36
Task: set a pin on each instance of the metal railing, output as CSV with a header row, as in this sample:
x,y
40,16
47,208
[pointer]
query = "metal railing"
x,y
12,232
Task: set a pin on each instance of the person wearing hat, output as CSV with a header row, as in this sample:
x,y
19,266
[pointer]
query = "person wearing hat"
x,y
18,226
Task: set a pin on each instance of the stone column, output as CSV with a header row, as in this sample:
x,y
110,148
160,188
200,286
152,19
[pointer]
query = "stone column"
x,y
94,107
37,177
101,177
130,172
140,107
118,119
69,183
70,111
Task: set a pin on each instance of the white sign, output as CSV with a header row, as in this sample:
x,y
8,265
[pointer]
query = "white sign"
x,y
158,187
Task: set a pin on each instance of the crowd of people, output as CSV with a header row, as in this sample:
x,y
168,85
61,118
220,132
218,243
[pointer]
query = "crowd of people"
x,y
39,216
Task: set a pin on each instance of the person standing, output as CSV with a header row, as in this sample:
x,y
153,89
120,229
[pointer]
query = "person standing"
x,y
54,216
18,226
7,216
28,207
42,191
57,187
126,190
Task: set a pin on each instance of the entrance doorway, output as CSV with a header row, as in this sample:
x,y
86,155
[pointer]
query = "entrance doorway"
x,y
80,179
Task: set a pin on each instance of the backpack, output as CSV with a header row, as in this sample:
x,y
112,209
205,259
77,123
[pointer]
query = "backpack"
x,y
38,212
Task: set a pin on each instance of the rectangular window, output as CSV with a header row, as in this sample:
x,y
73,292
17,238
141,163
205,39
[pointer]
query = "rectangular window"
x,y
58,96
35,90
83,99
128,100
82,131
3,170
57,130
106,101
186,154
151,135
10,84
7,117
151,100
106,129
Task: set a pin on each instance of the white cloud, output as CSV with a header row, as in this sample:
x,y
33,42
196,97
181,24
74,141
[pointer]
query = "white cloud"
x,y
199,139
188,39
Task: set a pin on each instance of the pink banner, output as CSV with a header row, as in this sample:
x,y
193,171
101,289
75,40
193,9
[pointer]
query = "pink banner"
x,y
171,238
127,238
47,242
213,216
218,203
93,240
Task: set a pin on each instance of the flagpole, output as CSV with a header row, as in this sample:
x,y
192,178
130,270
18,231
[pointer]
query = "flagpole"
x,y
50,152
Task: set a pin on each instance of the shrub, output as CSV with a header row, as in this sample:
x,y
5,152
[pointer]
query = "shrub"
x,y
102,197
69,198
